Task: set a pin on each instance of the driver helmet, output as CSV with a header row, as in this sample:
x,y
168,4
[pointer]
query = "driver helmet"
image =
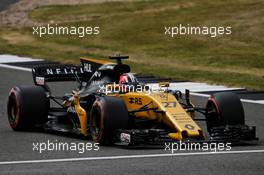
x,y
127,78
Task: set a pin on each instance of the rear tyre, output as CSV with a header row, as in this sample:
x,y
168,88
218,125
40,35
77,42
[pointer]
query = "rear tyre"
x,y
107,115
223,109
27,106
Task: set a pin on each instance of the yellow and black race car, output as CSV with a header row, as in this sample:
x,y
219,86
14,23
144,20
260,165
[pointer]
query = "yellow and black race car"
x,y
112,107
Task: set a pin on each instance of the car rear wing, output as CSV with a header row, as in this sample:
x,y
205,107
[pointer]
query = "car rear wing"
x,y
66,72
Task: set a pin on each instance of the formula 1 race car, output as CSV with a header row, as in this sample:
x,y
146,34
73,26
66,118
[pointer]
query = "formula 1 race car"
x,y
112,107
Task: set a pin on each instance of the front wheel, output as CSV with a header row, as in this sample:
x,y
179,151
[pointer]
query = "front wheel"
x,y
223,109
107,115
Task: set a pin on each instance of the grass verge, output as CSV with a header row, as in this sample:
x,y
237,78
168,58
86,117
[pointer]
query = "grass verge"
x,y
137,28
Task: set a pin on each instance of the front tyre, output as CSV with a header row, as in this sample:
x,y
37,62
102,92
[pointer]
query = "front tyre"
x,y
107,115
27,106
223,109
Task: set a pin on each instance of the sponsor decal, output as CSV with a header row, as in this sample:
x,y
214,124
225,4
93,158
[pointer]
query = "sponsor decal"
x,y
97,74
188,126
58,71
87,67
40,80
169,104
163,95
135,100
124,137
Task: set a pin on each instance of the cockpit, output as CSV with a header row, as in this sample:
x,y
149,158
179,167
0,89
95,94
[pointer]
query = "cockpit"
x,y
110,73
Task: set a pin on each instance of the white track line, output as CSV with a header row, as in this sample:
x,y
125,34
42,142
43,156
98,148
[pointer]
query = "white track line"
x,y
200,87
127,157
195,87
16,59
15,67
200,95
253,101
243,100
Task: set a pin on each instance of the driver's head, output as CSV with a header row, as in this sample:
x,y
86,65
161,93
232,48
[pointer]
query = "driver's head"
x,y
127,78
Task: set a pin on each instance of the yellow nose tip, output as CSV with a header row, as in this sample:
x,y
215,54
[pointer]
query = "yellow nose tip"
x,y
176,136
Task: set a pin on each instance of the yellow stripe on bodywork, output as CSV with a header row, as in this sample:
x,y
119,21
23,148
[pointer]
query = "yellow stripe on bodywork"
x,y
97,61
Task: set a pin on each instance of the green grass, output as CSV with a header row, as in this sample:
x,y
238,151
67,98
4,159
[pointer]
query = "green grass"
x,y
137,29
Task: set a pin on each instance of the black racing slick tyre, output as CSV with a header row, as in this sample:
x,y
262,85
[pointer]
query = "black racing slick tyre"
x,y
27,106
107,115
224,108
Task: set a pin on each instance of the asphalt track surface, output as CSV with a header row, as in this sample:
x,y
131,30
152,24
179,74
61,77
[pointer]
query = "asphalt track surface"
x,y
17,146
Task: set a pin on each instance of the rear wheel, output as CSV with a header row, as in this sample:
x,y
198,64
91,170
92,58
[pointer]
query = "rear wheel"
x,y
223,109
107,115
27,106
